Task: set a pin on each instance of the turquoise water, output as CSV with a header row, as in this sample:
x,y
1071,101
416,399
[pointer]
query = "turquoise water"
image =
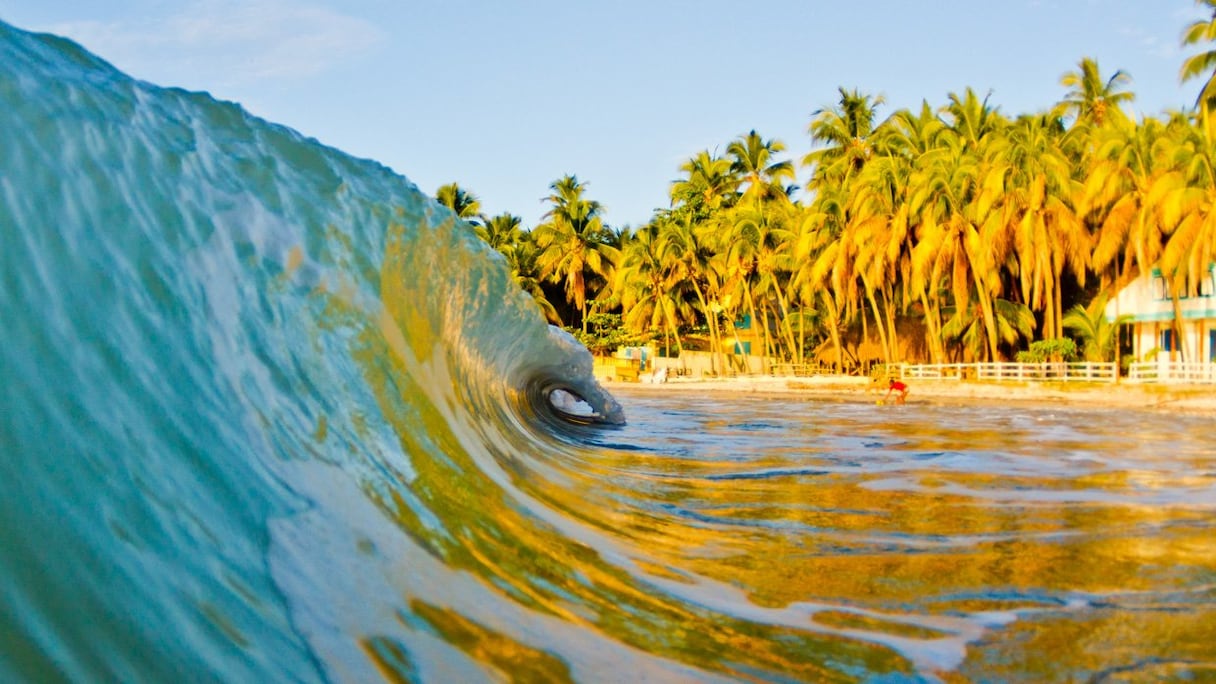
x,y
268,413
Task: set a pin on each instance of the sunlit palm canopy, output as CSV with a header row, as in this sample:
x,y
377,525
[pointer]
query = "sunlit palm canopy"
x,y
462,202
1202,64
753,160
1089,98
844,131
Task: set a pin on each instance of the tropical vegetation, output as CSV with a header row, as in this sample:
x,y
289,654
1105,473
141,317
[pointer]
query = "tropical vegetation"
x,y
949,232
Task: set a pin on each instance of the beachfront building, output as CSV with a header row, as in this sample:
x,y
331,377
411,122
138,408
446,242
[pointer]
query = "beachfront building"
x,y
1149,320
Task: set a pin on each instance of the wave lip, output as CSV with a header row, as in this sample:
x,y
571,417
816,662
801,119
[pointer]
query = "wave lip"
x,y
565,389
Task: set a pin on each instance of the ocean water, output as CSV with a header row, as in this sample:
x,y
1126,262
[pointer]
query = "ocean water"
x,y
267,413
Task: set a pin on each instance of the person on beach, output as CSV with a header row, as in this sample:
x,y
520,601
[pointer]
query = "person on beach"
x,y
894,385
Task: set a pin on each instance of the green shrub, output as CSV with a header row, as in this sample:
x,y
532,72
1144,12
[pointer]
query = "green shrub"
x,y
1059,349
605,334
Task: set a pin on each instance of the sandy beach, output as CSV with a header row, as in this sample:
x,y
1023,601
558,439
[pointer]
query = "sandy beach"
x,y
1150,396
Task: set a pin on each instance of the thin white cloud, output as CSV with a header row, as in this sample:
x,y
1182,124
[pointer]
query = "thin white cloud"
x,y
226,43
1154,45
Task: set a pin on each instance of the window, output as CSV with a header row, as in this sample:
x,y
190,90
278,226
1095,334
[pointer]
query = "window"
x,y
1159,289
1167,340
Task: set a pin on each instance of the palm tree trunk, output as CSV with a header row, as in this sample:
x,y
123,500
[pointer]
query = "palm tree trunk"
x,y
989,327
889,310
716,335
1176,301
779,344
932,330
751,309
801,332
785,318
769,342
712,322
834,329
673,330
1049,312
878,322
1059,310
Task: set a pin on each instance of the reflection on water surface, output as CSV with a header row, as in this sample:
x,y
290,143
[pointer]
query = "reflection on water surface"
x,y
992,542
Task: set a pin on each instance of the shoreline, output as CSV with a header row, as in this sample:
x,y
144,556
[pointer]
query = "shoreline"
x,y
1120,395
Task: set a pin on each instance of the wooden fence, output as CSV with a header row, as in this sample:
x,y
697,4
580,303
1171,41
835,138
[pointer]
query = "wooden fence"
x,y
1172,372
1026,372
1163,371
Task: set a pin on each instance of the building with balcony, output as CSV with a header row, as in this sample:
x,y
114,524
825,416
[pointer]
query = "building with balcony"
x,y
1149,320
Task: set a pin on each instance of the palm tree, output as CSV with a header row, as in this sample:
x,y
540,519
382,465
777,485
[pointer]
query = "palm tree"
x,y
878,242
752,161
912,135
1097,334
754,230
684,250
501,231
650,297
1191,212
522,258
973,119
815,248
978,232
709,185
1187,211
1115,199
1089,98
921,141
463,203
1158,214
1048,235
1013,322
756,249
963,237
845,132
1203,63
573,242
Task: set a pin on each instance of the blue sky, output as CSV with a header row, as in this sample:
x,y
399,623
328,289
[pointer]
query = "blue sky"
x,y
506,97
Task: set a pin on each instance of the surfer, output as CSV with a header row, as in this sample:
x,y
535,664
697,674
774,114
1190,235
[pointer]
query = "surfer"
x,y
894,385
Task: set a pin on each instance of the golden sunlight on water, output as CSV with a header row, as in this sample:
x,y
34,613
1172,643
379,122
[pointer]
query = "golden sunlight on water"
x,y
1034,527
822,541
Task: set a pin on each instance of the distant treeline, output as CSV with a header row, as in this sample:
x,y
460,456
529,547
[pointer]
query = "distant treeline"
x,y
985,232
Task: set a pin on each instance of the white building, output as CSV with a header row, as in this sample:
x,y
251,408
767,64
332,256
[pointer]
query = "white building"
x,y
1151,314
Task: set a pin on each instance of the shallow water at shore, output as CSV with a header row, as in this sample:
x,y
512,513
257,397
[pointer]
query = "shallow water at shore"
x,y
1012,543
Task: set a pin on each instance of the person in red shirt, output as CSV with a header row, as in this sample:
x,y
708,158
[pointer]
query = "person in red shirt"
x,y
894,385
